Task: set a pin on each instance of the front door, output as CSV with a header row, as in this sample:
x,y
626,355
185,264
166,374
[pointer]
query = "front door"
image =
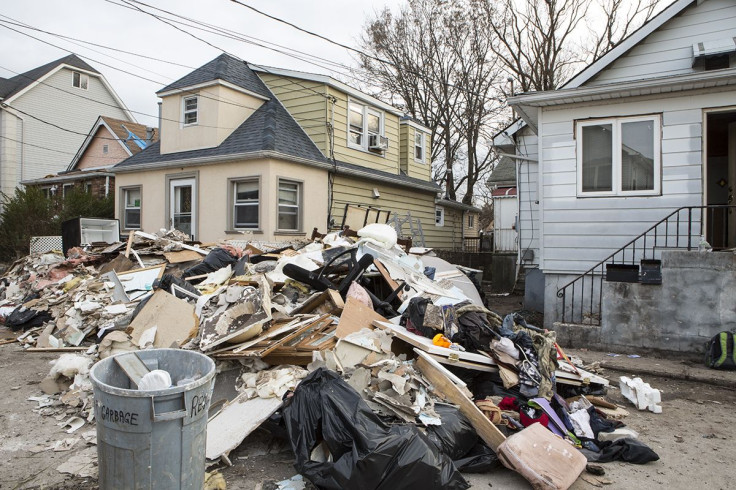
x,y
721,178
182,206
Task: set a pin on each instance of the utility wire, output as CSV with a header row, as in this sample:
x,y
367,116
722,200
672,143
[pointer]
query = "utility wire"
x,y
358,51
201,93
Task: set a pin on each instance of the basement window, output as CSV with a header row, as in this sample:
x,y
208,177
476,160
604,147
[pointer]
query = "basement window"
x,y
619,156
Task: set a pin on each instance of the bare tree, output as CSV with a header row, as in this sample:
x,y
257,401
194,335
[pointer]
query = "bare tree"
x,y
621,18
434,56
542,42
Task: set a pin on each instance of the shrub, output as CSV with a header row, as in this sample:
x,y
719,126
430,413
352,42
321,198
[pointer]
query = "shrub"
x,y
28,212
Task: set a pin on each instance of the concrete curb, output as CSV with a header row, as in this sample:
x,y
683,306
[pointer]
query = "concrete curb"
x,y
682,373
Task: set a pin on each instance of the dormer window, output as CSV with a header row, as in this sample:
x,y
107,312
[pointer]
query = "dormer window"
x,y
190,112
714,54
419,146
80,80
365,128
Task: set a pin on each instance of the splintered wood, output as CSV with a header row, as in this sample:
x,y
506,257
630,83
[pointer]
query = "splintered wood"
x,y
290,341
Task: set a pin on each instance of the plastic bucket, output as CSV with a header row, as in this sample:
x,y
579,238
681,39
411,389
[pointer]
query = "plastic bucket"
x,y
153,439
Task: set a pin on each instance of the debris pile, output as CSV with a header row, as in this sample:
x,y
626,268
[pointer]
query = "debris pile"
x,y
403,339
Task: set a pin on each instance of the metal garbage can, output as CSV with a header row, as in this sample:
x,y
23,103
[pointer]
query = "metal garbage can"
x,y
153,439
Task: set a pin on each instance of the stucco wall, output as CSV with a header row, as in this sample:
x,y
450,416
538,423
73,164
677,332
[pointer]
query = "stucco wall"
x,y
220,111
694,302
213,198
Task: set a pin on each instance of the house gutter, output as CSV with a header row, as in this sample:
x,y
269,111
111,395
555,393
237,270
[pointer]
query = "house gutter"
x,y
678,83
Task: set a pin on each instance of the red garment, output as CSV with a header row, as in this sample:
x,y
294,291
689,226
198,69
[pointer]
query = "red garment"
x,y
509,403
526,421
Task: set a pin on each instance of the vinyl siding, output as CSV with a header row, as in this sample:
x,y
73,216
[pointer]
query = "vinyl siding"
x,y
66,110
388,162
409,164
399,200
580,231
529,226
668,50
301,98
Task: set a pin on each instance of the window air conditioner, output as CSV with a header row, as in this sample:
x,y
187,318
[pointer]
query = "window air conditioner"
x,y
376,142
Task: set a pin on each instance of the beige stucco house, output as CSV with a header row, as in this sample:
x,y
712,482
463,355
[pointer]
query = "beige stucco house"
x,y
274,154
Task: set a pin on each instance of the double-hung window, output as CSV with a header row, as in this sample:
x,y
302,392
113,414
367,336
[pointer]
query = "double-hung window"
x,y
289,204
80,80
132,208
439,216
190,113
365,126
419,146
245,204
619,156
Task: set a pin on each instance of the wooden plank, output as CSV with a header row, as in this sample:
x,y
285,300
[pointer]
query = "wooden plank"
x,y
464,364
447,389
182,256
387,277
56,349
278,343
182,245
426,344
132,366
130,244
356,316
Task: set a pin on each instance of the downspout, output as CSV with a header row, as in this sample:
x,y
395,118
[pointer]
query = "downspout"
x,y
107,185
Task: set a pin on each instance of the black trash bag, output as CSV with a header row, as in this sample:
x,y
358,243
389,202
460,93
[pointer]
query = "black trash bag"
x,y
366,453
413,317
627,450
457,438
480,459
215,260
26,318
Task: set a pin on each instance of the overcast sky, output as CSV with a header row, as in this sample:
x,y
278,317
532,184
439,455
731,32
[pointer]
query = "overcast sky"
x,y
103,22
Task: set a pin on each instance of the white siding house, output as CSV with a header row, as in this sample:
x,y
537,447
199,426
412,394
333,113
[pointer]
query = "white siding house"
x,y
67,93
646,129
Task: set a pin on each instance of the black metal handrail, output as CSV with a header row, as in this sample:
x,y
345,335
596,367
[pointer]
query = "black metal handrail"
x,y
676,230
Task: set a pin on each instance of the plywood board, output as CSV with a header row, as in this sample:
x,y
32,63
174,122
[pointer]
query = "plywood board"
x,y
174,319
227,429
447,389
356,316
182,256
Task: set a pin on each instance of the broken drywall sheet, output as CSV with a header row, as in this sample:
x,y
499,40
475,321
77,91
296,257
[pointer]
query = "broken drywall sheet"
x,y
173,318
227,429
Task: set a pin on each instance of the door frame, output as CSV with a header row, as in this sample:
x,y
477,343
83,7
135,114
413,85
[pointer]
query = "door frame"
x,y
170,180
704,154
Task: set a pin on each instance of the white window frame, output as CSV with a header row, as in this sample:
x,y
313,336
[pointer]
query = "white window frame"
x,y
80,80
66,188
420,135
299,193
366,110
441,221
616,167
184,111
471,221
126,207
234,203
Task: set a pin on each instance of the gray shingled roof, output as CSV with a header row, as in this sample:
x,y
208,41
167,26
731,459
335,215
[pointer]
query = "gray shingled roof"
x,y
380,175
504,174
11,86
224,67
270,128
